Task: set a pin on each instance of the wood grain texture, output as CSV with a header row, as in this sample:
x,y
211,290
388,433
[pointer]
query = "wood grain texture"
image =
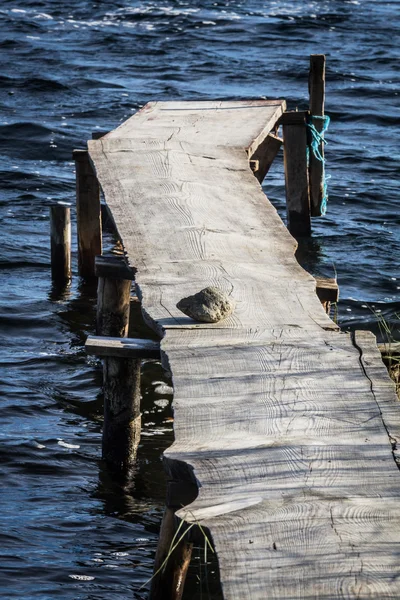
x,y
60,237
88,214
296,174
275,415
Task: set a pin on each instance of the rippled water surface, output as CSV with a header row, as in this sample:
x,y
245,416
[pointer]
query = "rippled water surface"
x,y
68,529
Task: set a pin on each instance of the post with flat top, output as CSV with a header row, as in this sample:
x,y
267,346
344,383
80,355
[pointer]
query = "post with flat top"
x,y
121,376
296,173
316,86
60,234
88,214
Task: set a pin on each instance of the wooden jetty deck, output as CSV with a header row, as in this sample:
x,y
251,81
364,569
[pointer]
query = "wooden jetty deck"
x,y
288,427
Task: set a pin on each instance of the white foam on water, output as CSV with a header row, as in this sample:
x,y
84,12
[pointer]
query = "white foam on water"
x,y
163,389
162,403
66,445
43,16
82,577
37,445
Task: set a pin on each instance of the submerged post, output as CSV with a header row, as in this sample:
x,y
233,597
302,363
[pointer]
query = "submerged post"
x,y
88,213
121,376
316,85
60,234
296,173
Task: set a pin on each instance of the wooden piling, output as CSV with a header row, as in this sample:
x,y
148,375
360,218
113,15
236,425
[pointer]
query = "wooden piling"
x,y
88,214
170,567
316,85
296,173
60,234
121,376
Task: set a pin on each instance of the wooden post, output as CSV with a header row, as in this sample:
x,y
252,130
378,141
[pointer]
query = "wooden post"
x,y
316,86
296,173
168,581
121,376
60,233
88,213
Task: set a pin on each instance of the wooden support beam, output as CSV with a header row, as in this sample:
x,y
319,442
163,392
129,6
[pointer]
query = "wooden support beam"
x,y
265,155
88,213
316,86
170,568
121,377
122,347
113,266
327,291
296,173
60,234
390,348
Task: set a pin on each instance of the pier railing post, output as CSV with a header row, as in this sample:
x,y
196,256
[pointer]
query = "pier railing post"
x,y
60,234
88,213
316,84
121,376
296,173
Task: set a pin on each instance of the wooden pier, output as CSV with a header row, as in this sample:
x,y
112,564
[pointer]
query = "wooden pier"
x,y
286,429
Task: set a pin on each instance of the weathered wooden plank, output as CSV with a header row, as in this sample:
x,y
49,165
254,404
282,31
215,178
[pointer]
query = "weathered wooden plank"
x,y
275,418
122,347
316,85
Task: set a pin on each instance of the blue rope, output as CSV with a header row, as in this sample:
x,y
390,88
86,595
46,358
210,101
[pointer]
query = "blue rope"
x,y
317,141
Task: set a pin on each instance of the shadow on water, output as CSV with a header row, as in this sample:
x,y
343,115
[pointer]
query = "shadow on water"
x,y
309,254
138,495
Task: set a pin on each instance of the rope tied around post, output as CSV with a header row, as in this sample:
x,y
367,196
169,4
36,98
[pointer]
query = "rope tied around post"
x,y
317,140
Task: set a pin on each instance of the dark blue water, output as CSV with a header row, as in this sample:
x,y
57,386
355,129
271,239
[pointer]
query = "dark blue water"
x,y
68,529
